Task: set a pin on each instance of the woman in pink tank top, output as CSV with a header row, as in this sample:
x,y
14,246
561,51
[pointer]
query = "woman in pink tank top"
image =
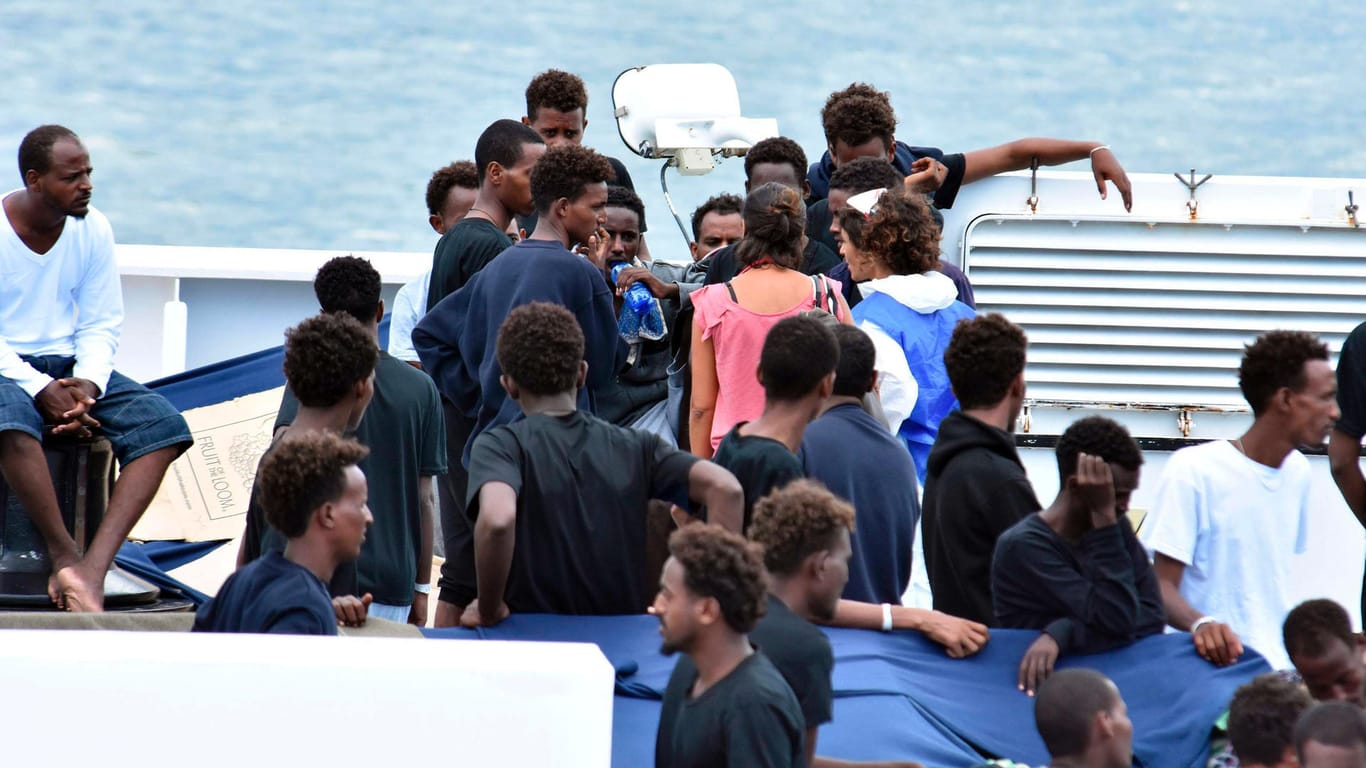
x,y
731,319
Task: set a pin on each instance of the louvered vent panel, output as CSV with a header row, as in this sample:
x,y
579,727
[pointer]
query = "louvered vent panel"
x,y
1122,313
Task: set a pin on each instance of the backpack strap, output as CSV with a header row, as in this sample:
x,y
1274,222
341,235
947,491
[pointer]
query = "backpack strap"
x,y
731,291
831,304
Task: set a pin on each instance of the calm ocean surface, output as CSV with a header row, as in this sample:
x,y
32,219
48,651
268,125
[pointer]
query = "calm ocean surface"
x,y
317,125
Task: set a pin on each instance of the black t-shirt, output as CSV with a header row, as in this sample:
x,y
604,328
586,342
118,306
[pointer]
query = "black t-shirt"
x,y
405,431
747,719
582,487
465,249
270,596
1093,595
817,259
802,653
761,464
1352,396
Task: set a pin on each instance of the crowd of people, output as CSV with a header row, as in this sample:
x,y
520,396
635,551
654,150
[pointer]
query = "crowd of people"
x,y
737,445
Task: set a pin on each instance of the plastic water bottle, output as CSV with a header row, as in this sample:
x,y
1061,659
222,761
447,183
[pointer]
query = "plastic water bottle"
x,y
638,297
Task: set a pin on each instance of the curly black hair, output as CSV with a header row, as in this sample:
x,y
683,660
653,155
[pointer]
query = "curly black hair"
x,y
984,356
798,352
540,346
563,172
901,233
865,173
558,90
797,520
1312,625
857,366
461,173
35,150
1276,359
503,143
300,474
348,284
722,565
1261,718
857,117
325,356
779,150
775,222
621,197
1332,724
721,205
1097,436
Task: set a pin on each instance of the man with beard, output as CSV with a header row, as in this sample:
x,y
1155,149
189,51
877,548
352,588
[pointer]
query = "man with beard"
x,y
725,703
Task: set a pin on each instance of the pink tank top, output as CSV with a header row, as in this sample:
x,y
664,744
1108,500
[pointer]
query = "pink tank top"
x,y
737,334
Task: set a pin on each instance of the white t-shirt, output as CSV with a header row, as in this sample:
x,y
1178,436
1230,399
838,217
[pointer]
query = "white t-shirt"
x,y
40,295
410,304
1235,524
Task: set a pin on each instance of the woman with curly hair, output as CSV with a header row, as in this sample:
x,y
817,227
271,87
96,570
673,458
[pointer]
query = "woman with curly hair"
x,y
731,319
909,308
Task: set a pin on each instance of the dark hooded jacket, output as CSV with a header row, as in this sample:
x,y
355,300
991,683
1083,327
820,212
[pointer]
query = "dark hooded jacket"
x,y
819,172
975,489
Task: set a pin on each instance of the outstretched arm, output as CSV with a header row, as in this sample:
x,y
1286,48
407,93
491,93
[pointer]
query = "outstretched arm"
x,y
718,489
959,637
1017,156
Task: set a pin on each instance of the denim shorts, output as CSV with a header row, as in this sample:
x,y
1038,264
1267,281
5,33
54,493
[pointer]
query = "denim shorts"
x,y
134,419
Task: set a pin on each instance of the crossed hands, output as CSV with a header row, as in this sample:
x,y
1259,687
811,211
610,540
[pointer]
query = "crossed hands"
x,y
65,403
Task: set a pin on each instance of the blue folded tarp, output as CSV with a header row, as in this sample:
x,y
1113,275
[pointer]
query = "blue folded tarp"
x,y
898,697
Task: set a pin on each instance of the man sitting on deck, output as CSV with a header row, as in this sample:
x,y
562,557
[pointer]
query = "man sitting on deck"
x,y
1328,656
61,310
1075,570
558,498
1230,514
315,495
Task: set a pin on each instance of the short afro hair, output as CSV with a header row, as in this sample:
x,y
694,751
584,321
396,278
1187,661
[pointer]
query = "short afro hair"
x,y
1332,724
775,223
300,474
1065,705
721,205
540,346
720,564
1276,359
1311,626
35,150
778,150
621,197
558,90
503,142
461,173
348,284
864,174
564,172
857,369
900,233
325,356
1262,716
857,115
1097,436
798,353
796,521
984,356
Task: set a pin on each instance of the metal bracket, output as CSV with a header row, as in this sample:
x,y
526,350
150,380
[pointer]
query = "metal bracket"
x,y
1185,422
1193,185
1026,420
1033,199
1352,209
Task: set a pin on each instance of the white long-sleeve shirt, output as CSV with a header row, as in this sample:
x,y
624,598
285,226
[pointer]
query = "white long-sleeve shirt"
x,y
67,301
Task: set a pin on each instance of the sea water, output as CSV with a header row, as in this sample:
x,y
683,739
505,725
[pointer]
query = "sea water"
x,y
317,125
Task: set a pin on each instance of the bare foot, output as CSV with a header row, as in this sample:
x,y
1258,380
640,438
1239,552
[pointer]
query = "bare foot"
x,y
60,562
78,592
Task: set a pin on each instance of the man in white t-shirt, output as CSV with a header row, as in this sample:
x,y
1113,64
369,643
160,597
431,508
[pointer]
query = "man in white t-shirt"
x,y
1230,514
61,308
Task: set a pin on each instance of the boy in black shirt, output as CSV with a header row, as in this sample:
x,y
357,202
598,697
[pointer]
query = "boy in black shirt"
x,y
315,495
797,370
559,498
1076,570
725,704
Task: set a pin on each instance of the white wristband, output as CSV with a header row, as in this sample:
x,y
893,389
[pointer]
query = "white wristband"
x,y
422,589
1202,621
886,617
1094,150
